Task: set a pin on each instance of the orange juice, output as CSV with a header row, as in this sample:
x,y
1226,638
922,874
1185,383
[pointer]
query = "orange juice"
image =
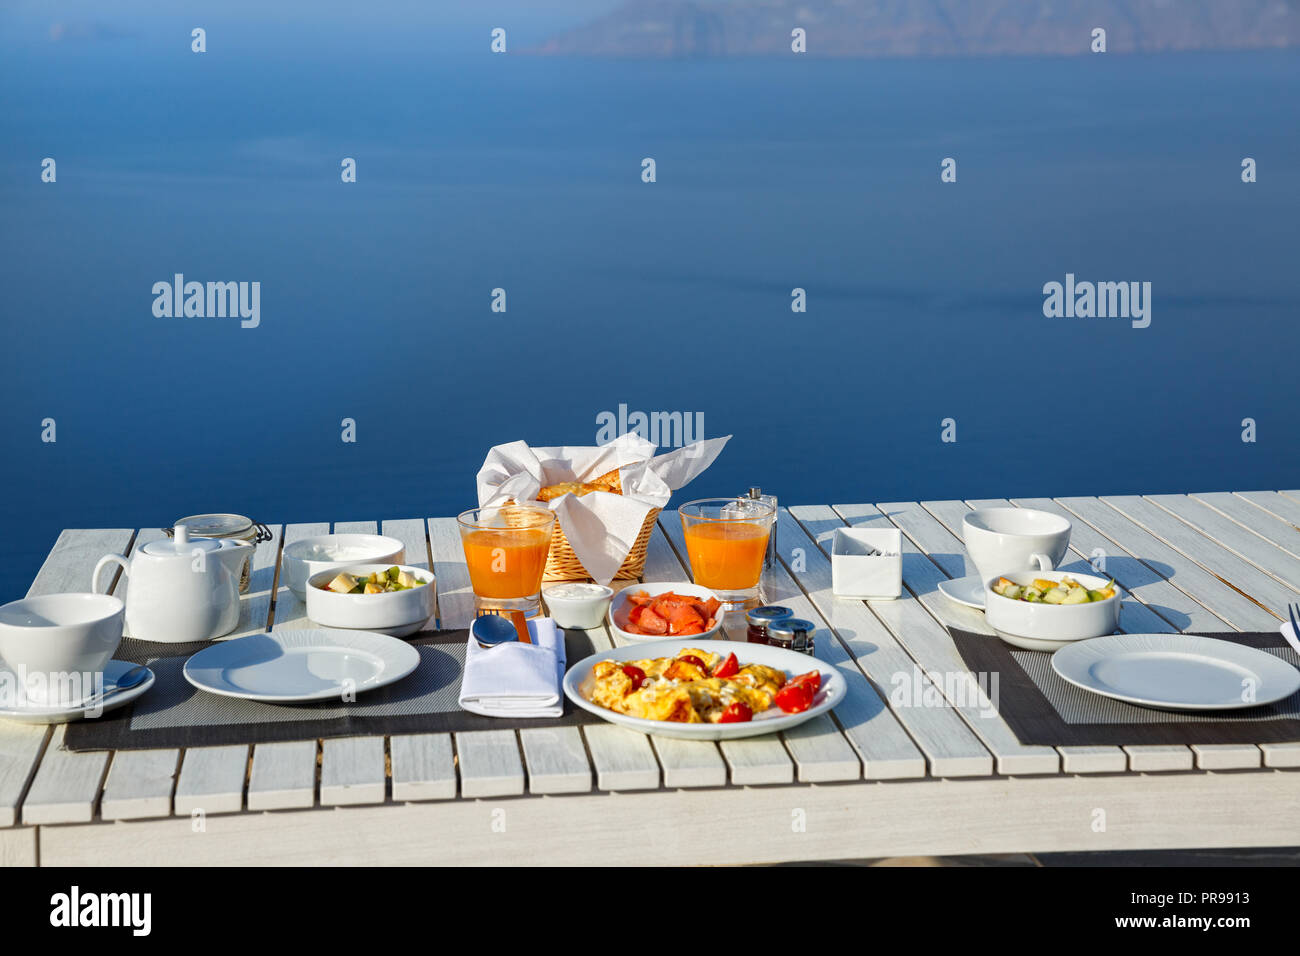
x,y
506,562
726,555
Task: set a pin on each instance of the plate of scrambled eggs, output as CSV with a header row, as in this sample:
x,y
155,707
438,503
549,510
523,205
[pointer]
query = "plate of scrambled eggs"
x,y
704,690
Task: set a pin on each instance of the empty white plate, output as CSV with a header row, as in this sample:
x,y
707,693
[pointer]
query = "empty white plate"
x,y
113,698
1176,671
318,664
968,590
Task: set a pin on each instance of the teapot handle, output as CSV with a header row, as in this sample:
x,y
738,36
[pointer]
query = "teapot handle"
x,y
104,562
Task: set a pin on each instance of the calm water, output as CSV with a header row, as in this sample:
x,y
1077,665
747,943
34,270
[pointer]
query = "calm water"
x,y
480,172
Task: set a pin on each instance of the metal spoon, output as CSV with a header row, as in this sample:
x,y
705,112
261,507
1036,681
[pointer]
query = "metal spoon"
x,y
492,629
135,675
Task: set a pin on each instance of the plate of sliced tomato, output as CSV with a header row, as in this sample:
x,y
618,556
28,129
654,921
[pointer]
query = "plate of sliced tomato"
x,y
655,612
811,687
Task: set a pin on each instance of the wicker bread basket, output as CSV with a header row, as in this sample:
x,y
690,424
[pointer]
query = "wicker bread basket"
x,y
563,565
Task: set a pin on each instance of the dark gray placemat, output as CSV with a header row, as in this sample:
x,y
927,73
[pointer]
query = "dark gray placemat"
x,y
1042,708
175,714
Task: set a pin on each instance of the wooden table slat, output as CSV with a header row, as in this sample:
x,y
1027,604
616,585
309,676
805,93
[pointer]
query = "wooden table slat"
x,y
1204,588
352,771
284,776
139,784
424,767
556,759
489,763
455,596
623,758
66,787
211,780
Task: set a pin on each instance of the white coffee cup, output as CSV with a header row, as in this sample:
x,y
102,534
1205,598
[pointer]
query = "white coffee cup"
x,y
58,644
1014,539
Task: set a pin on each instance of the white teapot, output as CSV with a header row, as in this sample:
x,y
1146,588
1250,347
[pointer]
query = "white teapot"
x,y
180,590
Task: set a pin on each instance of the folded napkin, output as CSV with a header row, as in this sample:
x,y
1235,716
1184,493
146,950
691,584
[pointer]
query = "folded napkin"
x,y
516,680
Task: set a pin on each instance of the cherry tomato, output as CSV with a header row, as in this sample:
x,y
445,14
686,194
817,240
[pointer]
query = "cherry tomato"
x,y
812,680
736,713
794,698
692,659
728,668
636,675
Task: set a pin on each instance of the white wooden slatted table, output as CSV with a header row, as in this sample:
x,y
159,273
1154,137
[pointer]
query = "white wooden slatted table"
x,y
878,778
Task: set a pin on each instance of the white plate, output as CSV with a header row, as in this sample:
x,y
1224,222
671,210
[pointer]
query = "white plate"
x,y
832,690
286,666
620,607
968,590
113,698
1176,671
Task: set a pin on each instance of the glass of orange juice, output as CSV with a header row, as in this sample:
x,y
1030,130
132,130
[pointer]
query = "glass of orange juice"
x,y
726,540
505,549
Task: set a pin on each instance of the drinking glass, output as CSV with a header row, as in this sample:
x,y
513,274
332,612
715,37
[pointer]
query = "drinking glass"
x,y
726,541
505,550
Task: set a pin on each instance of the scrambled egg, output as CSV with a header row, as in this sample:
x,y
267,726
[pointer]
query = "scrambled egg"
x,y
681,691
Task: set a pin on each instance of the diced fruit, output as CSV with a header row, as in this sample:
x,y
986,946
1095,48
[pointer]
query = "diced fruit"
x,y
1000,586
374,588
1076,596
394,573
342,583
1055,596
408,580
1043,584
1012,592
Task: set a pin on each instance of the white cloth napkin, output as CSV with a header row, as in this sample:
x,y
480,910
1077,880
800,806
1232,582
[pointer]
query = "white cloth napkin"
x,y
515,679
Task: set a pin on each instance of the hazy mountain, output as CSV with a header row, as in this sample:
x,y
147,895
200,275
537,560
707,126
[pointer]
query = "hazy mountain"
x,y
870,28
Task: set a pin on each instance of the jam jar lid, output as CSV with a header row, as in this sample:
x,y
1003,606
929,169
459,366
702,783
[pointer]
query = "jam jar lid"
x,y
217,525
764,616
790,626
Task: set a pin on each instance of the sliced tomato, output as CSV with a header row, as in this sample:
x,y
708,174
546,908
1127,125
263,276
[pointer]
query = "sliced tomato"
x,y
635,674
736,713
812,680
794,698
692,659
728,668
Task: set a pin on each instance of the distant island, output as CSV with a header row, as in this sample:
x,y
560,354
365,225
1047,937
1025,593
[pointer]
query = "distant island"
x,y
913,28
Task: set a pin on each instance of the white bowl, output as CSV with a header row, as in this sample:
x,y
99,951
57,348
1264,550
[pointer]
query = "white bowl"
x,y
301,559
395,613
581,611
1047,627
620,606
53,641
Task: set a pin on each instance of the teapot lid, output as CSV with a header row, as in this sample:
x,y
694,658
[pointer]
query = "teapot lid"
x,y
181,544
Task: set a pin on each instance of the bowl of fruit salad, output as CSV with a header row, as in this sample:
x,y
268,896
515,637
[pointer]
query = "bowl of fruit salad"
x,y
396,600
1043,610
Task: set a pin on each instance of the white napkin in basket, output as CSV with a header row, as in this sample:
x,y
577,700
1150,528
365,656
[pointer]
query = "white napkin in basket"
x,y
516,680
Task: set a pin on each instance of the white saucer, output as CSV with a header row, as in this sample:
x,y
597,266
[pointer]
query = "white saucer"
x,y
968,591
62,713
316,664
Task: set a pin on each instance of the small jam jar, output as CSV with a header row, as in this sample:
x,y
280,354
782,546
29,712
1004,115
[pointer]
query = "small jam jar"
x,y
760,618
792,633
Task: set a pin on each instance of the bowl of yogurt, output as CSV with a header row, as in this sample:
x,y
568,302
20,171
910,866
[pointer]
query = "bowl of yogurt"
x,y
577,605
307,556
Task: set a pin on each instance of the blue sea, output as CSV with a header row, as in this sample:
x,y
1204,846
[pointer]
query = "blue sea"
x,y
478,171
